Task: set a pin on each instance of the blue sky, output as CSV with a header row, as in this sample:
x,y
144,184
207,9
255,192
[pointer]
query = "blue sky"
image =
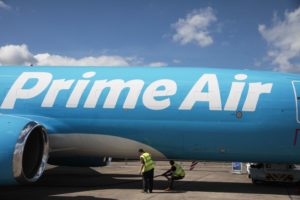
x,y
225,34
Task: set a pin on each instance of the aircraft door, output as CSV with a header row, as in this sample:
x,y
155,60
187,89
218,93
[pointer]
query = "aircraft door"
x,y
296,87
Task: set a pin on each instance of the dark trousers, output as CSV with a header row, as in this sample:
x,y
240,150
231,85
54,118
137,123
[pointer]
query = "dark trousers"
x,y
171,180
148,180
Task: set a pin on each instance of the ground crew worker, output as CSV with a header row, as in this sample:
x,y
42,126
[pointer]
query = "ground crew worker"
x,y
175,173
147,170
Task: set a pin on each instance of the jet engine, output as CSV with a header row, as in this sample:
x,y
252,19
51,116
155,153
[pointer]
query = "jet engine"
x,y
23,150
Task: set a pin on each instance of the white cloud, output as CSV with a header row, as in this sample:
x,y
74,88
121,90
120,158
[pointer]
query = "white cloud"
x,y
16,55
20,55
158,64
4,5
284,40
194,28
46,59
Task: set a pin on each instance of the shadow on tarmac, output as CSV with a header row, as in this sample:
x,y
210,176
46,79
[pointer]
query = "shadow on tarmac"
x,y
75,198
61,180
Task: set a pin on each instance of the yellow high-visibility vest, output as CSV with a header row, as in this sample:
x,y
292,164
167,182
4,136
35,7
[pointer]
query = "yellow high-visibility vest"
x,y
179,171
148,162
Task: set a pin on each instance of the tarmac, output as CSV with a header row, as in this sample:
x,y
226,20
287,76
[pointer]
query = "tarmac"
x,y
120,180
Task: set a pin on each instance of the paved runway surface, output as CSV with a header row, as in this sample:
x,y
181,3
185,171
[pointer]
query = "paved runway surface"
x,y
209,181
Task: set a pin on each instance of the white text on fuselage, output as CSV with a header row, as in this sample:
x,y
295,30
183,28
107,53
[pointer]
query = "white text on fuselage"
x,y
156,96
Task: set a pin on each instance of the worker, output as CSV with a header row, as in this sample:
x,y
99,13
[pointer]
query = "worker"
x,y
176,172
147,171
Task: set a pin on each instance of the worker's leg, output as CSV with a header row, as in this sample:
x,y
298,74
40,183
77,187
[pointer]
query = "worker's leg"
x,y
173,178
151,176
145,182
166,177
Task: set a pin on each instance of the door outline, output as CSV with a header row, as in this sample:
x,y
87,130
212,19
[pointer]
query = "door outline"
x,y
296,99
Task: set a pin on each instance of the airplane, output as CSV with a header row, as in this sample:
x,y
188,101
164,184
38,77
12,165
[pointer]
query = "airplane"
x,y
79,115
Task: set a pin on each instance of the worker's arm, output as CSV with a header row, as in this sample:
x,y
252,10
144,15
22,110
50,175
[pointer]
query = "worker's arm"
x,y
171,171
168,173
142,165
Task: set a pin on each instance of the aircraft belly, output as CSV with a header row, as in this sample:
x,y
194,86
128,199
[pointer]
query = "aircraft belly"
x,y
98,145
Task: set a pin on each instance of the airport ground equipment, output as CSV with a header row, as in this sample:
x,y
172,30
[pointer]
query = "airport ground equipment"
x,y
274,173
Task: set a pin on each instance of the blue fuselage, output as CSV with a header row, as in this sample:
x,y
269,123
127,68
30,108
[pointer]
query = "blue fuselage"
x,y
183,113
